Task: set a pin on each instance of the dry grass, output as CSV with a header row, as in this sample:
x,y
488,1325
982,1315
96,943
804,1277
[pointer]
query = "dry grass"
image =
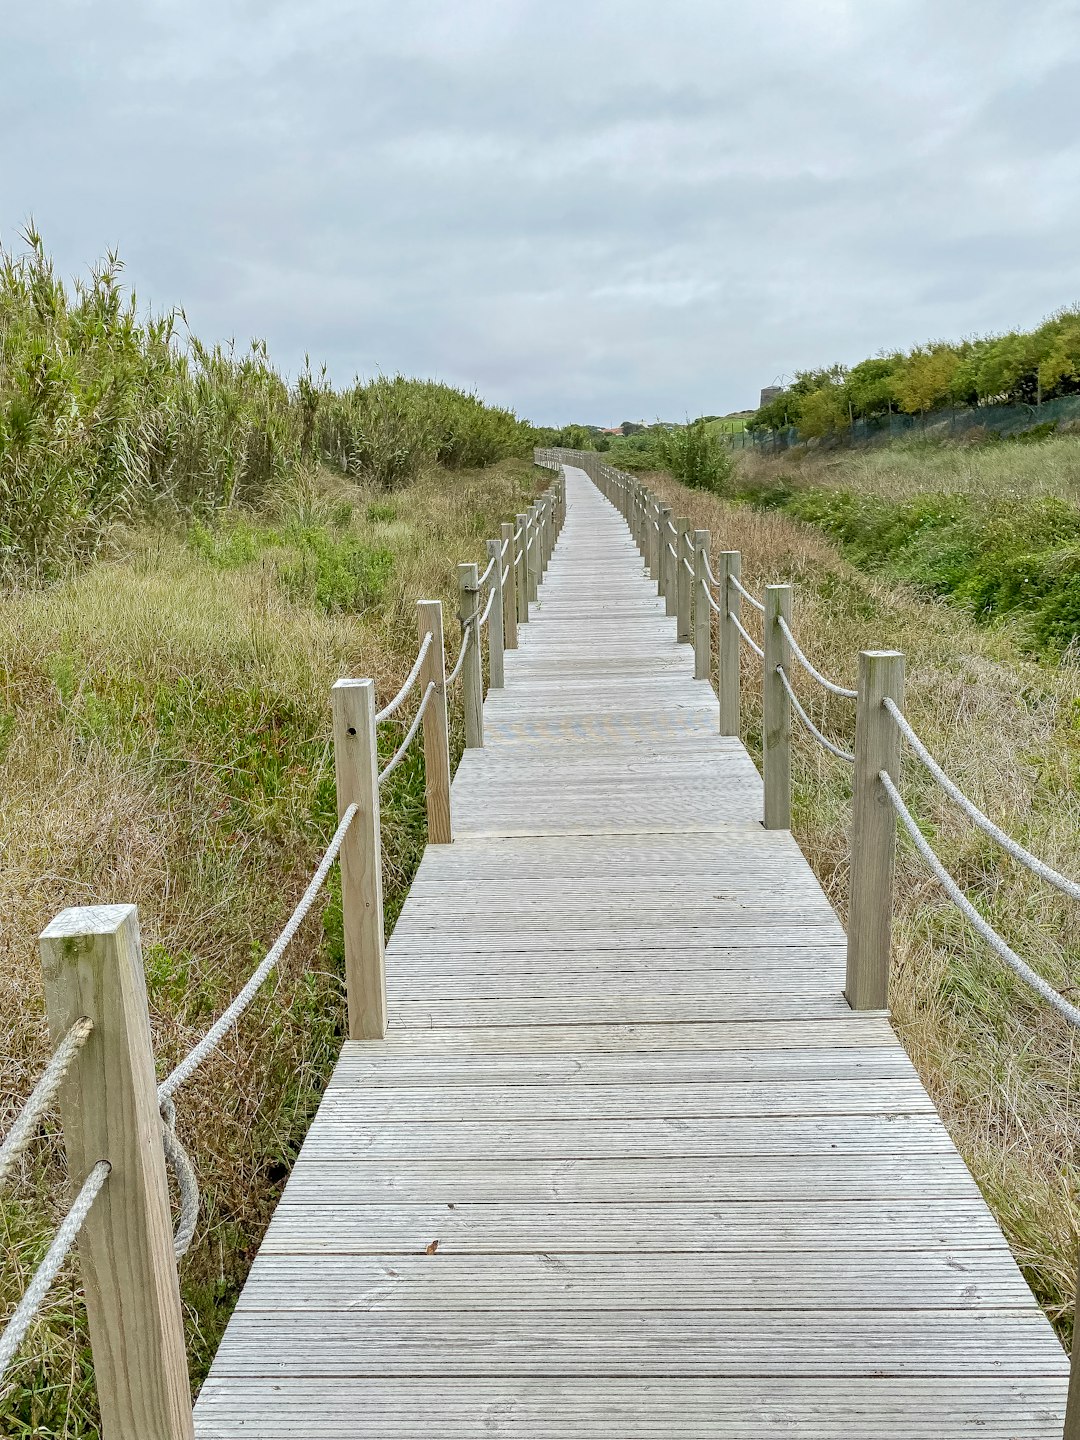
x,y
1000,1065
167,733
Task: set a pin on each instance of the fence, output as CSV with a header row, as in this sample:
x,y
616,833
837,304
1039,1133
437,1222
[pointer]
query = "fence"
x,y
679,559
951,424
118,1122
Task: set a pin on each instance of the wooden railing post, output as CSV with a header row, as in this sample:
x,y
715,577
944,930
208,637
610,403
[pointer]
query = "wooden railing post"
x,y
472,674
436,725
496,635
356,769
510,587
532,558
93,967
873,831
653,534
521,569
702,608
729,682
684,582
776,711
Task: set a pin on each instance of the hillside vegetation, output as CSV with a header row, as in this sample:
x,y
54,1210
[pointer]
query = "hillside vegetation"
x,y
1022,367
995,530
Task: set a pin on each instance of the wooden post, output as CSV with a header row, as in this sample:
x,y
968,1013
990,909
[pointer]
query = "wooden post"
x,y
684,582
669,564
436,725
532,555
472,674
521,570
654,540
545,532
495,619
93,967
729,566
702,609
776,711
873,831
510,588
356,768
1072,1405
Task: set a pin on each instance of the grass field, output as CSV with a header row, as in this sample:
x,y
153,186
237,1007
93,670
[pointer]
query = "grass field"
x,y
165,739
1001,1066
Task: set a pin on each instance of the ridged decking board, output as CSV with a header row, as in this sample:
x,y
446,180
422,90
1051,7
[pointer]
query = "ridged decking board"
x,y
673,1185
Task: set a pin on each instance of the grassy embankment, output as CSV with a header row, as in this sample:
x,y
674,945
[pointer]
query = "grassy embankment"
x,y
191,552
999,1064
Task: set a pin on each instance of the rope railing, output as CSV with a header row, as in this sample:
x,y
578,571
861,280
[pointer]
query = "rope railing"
x,y
466,636
972,811
399,699
717,608
824,740
410,734
228,1018
758,651
42,1095
486,576
736,584
810,669
1019,967
34,1296
482,621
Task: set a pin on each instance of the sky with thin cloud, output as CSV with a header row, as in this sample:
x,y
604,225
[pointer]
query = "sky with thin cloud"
x,y
590,211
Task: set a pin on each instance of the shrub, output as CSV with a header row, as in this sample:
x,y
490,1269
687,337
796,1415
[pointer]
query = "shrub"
x,y
695,455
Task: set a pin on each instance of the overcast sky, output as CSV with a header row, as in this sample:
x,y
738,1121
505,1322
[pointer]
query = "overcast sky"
x,y
584,210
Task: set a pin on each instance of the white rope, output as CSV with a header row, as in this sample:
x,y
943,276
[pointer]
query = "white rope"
x,y
985,824
178,1161
671,551
746,594
41,1097
809,668
519,557
805,718
504,547
708,569
465,637
487,573
749,640
395,704
487,610
505,575
518,532
688,567
963,904
31,1302
708,596
228,1018
399,754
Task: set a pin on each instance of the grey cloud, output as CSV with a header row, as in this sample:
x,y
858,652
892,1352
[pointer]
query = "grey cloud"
x,y
588,211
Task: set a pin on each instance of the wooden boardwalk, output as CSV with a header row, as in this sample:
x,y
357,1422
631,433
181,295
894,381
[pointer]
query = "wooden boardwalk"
x,y
626,1165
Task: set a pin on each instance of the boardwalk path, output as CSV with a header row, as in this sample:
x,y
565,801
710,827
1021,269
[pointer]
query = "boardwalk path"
x,y
674,1186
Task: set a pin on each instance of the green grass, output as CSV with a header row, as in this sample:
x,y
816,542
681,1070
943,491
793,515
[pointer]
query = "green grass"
x,y
168,741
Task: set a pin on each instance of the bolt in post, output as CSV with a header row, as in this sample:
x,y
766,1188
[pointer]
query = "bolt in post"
x,y
729,567
873,831
702,608
436,725
776,711
356,769
472,671
495,618
521,569
93,968
510,587
684,587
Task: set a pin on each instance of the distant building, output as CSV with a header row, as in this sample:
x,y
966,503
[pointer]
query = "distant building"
x,y
769,394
